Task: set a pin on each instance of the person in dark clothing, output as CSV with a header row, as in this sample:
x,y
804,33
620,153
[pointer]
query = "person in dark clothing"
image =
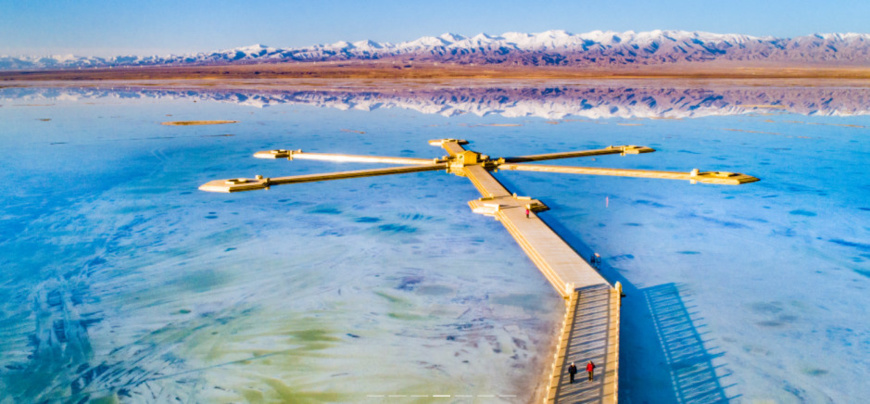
x,y
590,367
572,370
595,260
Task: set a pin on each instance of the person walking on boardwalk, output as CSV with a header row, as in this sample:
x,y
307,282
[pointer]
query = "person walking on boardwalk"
x,y
527,213
572,370
590,367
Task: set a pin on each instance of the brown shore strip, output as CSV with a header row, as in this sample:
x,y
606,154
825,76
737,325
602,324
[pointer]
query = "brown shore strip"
x,y
188,123
434,71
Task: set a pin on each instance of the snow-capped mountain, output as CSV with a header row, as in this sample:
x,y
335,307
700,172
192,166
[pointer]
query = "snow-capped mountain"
x,y
554,48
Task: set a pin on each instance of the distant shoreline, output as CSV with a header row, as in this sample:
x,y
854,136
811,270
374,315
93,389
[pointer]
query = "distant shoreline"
x,y
278,72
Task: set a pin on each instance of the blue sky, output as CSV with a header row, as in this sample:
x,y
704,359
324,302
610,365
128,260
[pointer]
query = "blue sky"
x,y
113,27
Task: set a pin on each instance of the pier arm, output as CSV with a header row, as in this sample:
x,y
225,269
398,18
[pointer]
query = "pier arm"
x,y
453,146
250,184
627,149
708,177
341,158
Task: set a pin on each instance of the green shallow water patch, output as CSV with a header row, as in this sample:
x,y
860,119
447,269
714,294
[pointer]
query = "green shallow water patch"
x,y
525,301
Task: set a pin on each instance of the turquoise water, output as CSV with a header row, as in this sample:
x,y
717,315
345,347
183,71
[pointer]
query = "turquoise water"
x,y
121,280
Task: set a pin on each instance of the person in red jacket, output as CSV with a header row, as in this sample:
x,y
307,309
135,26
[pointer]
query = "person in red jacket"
x,y
590,367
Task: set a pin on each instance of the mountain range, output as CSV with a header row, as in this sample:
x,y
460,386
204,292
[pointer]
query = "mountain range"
x,y
550,48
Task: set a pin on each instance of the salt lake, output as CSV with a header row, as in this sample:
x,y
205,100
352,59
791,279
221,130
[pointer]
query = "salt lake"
x,y
121,280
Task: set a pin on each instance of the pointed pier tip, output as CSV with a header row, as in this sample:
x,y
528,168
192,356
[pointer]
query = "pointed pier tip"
x,y
276,154
236,185
633,149
721,177
439,142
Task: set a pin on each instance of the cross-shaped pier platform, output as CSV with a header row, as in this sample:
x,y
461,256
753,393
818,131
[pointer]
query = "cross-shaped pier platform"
x,y
590,330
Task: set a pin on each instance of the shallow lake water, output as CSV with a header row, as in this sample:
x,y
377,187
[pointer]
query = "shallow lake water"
x,y
121,280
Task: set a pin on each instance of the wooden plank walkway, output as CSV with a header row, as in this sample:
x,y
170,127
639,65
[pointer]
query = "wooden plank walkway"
x,y
250,184
590,333
591,327
710,177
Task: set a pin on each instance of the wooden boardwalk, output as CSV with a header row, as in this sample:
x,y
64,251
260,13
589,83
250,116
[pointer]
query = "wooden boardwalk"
x,y
590,331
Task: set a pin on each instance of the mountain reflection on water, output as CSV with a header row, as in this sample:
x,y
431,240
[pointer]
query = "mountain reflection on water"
x,y
612,100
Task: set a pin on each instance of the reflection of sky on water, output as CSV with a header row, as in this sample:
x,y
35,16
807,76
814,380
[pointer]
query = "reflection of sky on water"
x,y
121,278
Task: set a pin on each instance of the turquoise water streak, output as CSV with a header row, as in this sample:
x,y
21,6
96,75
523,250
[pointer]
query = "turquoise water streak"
x,y
121,279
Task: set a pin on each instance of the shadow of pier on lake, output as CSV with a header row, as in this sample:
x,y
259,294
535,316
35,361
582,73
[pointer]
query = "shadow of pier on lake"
x,y
689,362
663,354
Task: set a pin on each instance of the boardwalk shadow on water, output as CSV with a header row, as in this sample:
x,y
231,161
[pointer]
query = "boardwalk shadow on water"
x,y
690,364
664,357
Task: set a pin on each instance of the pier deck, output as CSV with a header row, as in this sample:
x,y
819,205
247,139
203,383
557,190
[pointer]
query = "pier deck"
x,y
590,331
